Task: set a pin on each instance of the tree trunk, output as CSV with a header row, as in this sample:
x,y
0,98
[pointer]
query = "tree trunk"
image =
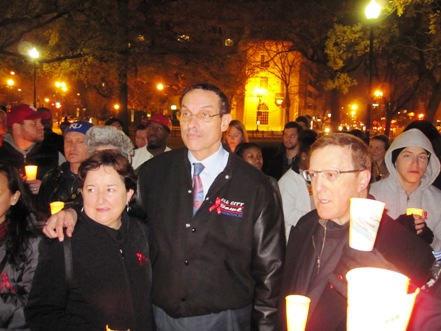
x,y
434,101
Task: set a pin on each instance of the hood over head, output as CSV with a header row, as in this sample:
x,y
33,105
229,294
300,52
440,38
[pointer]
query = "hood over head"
x,y
414,138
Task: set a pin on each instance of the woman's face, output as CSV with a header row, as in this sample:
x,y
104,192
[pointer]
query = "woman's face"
x,y
105,196
412,164
7,199
253,156
234,137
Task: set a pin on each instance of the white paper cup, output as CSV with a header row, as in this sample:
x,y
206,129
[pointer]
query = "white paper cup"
x,y
31,172
378,300
365,217
297,307
56,206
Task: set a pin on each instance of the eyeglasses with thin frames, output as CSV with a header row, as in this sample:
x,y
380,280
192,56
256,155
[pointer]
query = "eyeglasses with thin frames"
x,y
203,116
330,175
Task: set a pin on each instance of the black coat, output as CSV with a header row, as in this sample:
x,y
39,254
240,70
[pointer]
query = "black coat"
x,y
407,252
111,280
229,254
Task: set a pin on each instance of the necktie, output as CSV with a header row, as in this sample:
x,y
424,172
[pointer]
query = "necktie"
x,y
198,190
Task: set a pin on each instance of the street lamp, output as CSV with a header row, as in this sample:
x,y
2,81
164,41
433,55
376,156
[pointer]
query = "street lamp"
x,y
34,54
372,12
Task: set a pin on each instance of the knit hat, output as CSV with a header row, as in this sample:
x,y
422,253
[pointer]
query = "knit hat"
x,y
80,127
161,119
20,113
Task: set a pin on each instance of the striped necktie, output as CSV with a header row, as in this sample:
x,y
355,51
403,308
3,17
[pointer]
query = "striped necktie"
x,y
198,190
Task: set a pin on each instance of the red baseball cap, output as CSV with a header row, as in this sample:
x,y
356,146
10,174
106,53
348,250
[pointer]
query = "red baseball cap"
x,y
20,113
161,119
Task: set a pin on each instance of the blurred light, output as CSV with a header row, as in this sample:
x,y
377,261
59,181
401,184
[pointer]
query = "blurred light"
x,y
420,116
33,53
372,10
173,107
160,86
10,82
116,106
58,105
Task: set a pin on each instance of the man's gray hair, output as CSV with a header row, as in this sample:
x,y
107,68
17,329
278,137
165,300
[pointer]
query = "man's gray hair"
x,y
109,137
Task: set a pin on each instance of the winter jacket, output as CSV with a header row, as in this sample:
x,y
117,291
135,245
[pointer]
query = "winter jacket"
x,y
426,196
44,155
59,184
15,285
229,254
408,254
111,280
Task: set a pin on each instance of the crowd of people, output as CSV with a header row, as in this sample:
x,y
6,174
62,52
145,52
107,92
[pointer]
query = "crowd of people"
x,y
210,236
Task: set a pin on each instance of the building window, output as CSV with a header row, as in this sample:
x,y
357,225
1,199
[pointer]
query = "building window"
x,y
263,63
262,117
263,82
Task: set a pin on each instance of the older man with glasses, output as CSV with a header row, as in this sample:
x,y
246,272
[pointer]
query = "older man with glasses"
x,y
318,255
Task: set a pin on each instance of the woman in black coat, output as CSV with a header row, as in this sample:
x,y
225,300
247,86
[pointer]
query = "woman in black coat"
x,y
111,276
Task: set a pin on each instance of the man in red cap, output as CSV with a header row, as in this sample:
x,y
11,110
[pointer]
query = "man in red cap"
x,y
24,144
158,128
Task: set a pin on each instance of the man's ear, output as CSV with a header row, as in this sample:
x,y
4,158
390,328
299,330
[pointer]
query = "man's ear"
x,y
364,179
226,119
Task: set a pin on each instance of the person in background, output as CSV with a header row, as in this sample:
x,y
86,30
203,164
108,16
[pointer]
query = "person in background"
x,y
111,268
235,134
219,238
377,148
304,122
158,129
18,249
61,183
113,121
252,154
3,124
64,124
140,136
318,255
50,137
360,134
294,189
288,157
108,137
413,167
434,136
24,145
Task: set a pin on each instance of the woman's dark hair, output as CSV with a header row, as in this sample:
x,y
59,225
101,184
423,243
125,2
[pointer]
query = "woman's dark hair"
x,y
112,120
19,218
109,158
242,147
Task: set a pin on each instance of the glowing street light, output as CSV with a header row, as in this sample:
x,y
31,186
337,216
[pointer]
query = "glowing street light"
x,y
372,12
34,54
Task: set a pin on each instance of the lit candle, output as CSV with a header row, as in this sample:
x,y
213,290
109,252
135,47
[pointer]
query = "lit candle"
x,y
297,307
56,206
378,300
31,172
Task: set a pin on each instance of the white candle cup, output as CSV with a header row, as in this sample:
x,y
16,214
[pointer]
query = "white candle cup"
x,y
56,206
297,308
365,217
31,172
378,300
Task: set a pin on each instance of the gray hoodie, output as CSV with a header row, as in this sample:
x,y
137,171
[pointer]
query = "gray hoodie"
x,y
426,196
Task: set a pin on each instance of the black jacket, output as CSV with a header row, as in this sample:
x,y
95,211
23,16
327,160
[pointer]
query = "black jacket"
x,y
59,184
45,156
403,250
229,254
111,280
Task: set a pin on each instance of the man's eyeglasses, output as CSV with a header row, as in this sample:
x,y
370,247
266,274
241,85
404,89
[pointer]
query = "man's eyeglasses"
x,y
203,116
330,175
